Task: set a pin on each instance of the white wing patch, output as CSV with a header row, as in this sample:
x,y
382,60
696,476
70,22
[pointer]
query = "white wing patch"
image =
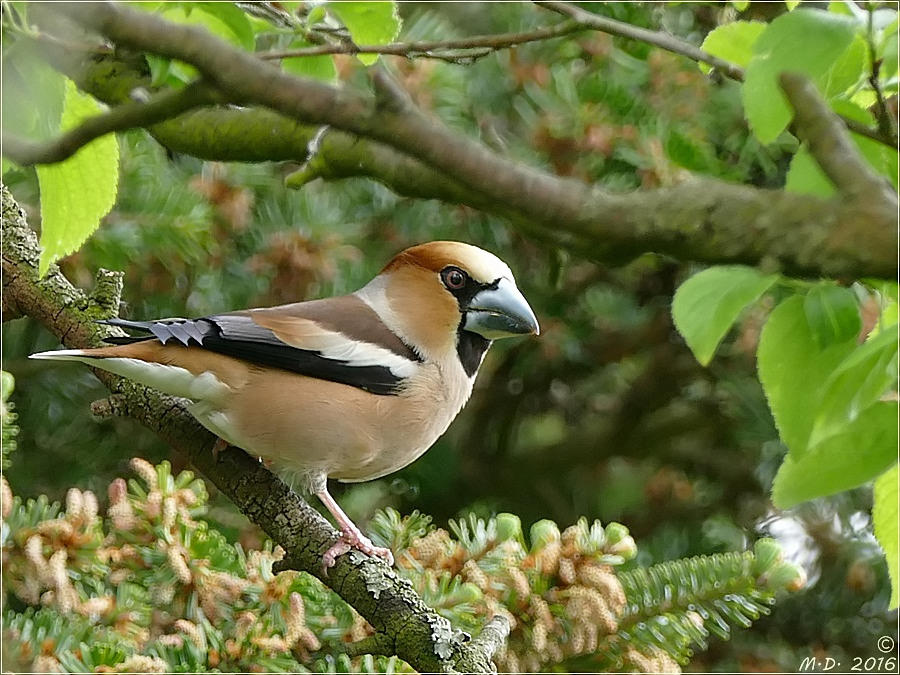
x,y
312,336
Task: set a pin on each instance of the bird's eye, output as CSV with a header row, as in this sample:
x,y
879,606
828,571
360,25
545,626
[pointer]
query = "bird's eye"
x,y
453,278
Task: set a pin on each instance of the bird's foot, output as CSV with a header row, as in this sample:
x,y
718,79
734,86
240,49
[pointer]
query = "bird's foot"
x,y
351,539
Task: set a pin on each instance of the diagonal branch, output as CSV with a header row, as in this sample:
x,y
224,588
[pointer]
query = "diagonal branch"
x,y
659,39
672,44
830,144
453,50
412,631
157,108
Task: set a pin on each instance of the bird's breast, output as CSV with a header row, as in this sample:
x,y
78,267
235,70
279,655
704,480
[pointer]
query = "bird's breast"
x,y
307,426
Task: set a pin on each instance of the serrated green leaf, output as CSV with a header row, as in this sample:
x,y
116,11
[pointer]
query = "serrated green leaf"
x,y
856,384
317,67
369,23
806,41
862,451
793,370
733,42
791,4
888,320
832,312
76,193
706,305
888,289
886,521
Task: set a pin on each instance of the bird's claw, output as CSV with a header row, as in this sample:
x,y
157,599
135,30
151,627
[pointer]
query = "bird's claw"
x,y
350,540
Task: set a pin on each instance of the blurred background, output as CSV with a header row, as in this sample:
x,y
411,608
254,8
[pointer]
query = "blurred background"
x,y
607,415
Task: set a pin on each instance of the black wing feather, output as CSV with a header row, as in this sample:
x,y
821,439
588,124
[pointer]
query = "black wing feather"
x,y
237,335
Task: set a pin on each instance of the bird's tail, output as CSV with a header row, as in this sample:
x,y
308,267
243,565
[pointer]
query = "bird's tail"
x,y
66,355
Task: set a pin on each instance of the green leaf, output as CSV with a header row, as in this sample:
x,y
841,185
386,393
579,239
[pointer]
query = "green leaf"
x,y
850,68
888,52
32,93
856,384
76,193
861,452
145,6
317,67
791,4
236,21
733,42
706,305
805,177
832,312
886,521
234,30
805,41
369,23
740,5
793,370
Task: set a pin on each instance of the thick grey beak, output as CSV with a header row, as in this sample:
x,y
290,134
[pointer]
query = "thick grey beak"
x,y
500,312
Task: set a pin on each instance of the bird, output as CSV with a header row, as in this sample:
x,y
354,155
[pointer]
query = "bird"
x,y
352,387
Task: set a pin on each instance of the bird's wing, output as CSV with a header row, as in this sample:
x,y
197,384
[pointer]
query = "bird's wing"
x,y
337,339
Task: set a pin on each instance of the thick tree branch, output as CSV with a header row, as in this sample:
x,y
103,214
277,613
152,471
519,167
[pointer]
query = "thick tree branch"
x,y
468,48
132,115
414,632
702,219
672,44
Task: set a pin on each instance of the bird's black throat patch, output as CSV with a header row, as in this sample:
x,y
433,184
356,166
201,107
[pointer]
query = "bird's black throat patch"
x,y
471,348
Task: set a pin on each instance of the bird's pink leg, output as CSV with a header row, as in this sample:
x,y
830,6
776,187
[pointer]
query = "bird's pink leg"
x,y
351,537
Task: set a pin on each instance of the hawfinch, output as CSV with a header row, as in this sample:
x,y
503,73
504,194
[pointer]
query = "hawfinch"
x,y
353,387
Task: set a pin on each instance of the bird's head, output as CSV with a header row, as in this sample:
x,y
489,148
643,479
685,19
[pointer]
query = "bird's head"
x,y
449,295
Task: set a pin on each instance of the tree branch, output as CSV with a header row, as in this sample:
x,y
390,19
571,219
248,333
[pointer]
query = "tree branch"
x,y
701,219
886,124
136,114
830,144
448,50
415,633
656,38
672,44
